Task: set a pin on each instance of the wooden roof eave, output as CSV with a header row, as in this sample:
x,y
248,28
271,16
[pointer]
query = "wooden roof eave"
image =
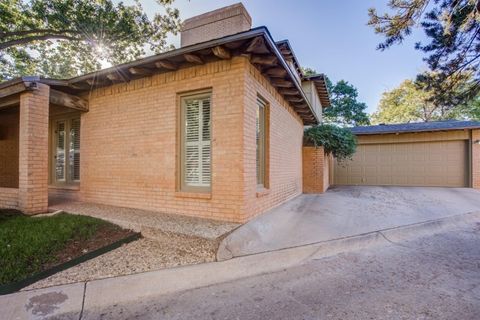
x,y
322,90
190,54
138,68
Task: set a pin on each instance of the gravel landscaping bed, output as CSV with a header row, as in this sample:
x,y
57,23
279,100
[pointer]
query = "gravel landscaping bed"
x,y
138,256
169,241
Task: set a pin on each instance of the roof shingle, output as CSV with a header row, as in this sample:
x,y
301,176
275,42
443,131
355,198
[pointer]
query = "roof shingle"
x,y
416,127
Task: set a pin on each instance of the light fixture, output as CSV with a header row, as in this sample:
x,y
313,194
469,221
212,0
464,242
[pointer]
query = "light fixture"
x,y
477,142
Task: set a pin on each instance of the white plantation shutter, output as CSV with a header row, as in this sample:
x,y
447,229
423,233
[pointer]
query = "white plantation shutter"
x,y
260,139
196,142
74,151
60,151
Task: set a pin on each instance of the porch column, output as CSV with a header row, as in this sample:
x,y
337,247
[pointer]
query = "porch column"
x,y
316,171
33,150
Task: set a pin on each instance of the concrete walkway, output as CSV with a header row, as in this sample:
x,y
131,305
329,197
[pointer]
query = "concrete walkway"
x,y
343,212
74,300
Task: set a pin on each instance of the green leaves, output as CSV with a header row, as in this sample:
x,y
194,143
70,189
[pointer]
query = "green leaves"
x,y
340,142
414,101
345,109
65,38
453,28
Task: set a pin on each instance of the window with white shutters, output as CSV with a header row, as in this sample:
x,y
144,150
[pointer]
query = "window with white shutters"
x,y
74,151
261,142
196,147
60,151
66,153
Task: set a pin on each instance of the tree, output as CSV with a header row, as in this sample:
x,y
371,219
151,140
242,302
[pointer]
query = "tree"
x,y
65,38
453,27
404,104
345,109
340,142
412,101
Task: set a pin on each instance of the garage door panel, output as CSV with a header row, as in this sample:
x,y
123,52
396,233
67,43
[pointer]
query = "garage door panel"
x,y
407,164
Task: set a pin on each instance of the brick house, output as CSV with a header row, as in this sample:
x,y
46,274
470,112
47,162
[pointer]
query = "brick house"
x,y
213,129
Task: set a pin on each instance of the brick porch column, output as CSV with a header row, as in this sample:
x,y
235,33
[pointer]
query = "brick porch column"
x,y
315,170
33,153
475,159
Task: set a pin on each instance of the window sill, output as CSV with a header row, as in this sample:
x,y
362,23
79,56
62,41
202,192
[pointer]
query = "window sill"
x,y
262,192
73,188
193,195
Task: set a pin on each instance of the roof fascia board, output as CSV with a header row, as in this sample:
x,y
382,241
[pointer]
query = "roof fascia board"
x,y
18,85
298,85
414,131
259,31
173,53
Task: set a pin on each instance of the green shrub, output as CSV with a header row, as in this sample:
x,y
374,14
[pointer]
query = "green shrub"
x,y
340,142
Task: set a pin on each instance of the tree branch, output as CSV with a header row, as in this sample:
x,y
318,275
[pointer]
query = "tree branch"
x,y
27,32
26,40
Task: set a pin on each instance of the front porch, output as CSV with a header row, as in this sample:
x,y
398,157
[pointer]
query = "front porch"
x,y
30,159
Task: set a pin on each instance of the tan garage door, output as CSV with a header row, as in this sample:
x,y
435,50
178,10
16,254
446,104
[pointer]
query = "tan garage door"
x,y
441,163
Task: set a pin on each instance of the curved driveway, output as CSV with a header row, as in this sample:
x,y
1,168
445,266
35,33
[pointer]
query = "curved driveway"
x,y
345,211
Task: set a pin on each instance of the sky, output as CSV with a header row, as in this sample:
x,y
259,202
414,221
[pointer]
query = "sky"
x,y
330,36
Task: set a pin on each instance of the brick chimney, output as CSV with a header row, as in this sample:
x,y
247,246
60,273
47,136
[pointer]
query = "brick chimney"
x,y
215,24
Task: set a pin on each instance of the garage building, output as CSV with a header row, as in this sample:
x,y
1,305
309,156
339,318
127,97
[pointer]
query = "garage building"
x,y
439,154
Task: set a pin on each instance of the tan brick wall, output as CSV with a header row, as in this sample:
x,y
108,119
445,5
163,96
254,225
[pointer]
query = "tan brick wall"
x,y
316,170
285,147
9,148
129,147
9,198
476,160
33,150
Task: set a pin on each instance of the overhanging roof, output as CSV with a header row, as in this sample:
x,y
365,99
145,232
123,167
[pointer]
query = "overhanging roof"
x,y
446,125
320,82
10,94
256,44
287,52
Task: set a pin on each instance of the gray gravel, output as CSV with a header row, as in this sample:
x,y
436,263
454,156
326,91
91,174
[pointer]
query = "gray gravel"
x,y
138,256
139,220
170,240
434,277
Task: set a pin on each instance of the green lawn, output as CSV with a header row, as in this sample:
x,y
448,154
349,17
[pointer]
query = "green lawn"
x,y
28,245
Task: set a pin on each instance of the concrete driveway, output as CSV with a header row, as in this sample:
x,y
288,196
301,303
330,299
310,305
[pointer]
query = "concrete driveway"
x,y
343,212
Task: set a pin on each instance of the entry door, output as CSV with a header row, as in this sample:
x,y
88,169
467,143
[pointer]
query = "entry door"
x,y
66,153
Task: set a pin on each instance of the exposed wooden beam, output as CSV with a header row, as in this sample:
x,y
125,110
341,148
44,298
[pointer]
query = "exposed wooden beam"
x,y
80,85
68,100
117,77
140,71
192,58
221,52
257,45
281,83
165,64
301,105
13,89
264,60
288,92
276,72
10,101
293,99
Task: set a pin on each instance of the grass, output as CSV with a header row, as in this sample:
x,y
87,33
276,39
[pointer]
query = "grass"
x,y
27,244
